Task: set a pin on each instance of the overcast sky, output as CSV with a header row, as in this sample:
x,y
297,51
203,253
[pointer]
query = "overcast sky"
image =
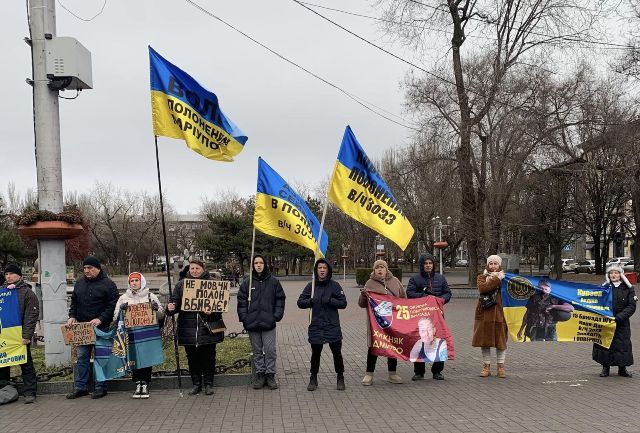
x,y
292,120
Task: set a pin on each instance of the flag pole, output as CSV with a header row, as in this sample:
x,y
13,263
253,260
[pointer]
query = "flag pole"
x,y
318,249
166,255
253,243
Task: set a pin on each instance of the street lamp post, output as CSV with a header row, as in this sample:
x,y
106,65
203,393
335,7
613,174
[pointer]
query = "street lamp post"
x,y
440,244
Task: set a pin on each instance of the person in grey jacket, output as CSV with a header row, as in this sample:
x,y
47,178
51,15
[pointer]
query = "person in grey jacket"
x,y
428,283
29,313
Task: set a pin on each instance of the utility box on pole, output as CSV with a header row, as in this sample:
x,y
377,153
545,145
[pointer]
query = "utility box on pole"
x,y
68,64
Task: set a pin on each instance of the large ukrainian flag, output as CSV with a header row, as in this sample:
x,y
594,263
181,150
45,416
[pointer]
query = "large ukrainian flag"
x,y
12,350
183,109
357,188
280,212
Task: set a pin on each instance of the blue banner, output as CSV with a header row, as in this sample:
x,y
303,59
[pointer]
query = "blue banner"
x,y
12,350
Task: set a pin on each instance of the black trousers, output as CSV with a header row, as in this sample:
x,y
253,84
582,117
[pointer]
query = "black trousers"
x,y
202,362
419,368
29,381
141,374
336,350
392,363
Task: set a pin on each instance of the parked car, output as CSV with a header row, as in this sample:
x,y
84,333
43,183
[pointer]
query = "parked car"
x,y
462,262
568,265
618,261
588,266
628,267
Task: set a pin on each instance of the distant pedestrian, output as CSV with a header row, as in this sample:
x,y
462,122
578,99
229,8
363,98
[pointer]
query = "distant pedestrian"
x,y
624,302
29,313
328,298
259,309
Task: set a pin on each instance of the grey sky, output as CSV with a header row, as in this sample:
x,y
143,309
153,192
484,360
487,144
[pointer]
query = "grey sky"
x,y
293,121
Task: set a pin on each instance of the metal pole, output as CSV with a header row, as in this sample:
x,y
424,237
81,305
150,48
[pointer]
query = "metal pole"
x,y
440,249
313,274
253,243
46,115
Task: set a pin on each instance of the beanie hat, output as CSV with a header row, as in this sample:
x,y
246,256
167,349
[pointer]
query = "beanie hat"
x,y
494,258
92,261
198,262
380,263
13,268
137,275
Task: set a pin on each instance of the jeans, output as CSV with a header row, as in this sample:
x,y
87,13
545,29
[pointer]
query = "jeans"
x,y
83,370
263,345
392,363
336,350
29,382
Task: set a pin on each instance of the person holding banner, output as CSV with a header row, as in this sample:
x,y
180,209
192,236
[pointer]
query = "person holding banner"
x,y
489,326
327,298
428,283
138,293
259,311
93,300
384,282
624,305
198,332
29,311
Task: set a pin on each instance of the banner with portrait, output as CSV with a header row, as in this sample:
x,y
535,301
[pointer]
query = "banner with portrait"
x,y
409,329
542,309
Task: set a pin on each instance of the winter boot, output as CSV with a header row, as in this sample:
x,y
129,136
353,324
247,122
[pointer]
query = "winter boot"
x,y
340,386
605,371
258,381
501,373
486,370
622,371
394,377
271,381
367,380
313,383
208,389
197,385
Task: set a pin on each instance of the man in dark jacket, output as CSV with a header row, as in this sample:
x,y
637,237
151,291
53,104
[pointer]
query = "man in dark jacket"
x,y
325,301
259,310
93,300
428,283
29,312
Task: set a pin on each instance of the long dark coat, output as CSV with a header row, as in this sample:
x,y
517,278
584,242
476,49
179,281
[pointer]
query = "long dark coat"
x,y
624,305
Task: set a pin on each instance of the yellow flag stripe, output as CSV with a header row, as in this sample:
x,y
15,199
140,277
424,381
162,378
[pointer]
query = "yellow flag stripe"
x,y
12,351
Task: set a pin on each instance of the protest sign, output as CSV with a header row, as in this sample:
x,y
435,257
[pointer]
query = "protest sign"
x,y
78,334
139,315
205,296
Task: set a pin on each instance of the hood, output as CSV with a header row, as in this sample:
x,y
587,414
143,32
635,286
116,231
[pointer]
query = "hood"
x,y
265,272
623,277
315,269
143,291
423,258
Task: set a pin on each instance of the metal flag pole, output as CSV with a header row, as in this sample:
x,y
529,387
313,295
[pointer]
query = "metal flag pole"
x,y
253,244
166,255
313,274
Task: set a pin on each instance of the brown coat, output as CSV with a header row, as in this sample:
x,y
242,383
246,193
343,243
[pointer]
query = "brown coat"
x,y
391,286
489,326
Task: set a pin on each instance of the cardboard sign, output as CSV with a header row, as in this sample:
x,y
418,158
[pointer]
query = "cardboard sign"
x,y
78,334
139,315
205,296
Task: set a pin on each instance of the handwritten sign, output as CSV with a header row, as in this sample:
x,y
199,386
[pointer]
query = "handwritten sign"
x,y
139,315
78,334
205,296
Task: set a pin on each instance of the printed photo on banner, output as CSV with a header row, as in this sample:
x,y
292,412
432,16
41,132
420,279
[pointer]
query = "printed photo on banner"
x,y
12,349
409,329
542,309
78,334
205,296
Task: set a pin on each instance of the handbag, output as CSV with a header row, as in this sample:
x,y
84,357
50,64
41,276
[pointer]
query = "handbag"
x,y
488,300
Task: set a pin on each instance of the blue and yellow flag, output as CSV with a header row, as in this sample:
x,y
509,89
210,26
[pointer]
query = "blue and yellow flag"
x,y
183,109
357,188
111,358
12,350
282,213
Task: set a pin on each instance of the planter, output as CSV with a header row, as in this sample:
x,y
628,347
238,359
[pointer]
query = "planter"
x,y
51,230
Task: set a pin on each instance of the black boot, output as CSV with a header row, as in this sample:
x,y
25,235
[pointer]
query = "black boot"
x,y
208,389
197,385
271,381
605,371
258,381
340,386
313,383
622,371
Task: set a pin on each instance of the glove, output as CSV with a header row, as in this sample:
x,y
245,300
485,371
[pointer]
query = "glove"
x,y
154,306
124,306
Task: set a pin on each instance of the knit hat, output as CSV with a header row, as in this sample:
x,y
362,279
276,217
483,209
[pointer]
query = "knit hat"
x,y
137,275
92,261
618,268
13,268
494,258
197,262
143,281
380,263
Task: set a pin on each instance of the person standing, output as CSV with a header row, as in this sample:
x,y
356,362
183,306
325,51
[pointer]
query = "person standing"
x,y
428,283
198,332
93,300
490,326
138,293
624,302
29,313
259,316
383,282
327,299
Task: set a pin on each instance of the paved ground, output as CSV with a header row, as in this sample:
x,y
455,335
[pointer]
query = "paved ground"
x,y
552,387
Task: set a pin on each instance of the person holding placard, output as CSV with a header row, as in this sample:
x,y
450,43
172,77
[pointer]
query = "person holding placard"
x,y
93,300
259,311
29,313
198,332
138,293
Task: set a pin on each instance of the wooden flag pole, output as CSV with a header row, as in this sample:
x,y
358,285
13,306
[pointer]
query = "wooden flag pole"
x,y
318,250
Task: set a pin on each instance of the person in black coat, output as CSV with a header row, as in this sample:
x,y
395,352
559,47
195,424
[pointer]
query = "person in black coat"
x,y
93,300
198,333
328,297
259,311
428,283
624,305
